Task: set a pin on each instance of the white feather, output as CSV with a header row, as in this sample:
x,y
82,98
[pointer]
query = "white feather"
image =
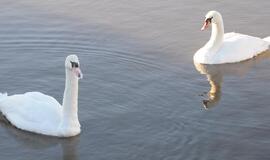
x,y
40,113
230,47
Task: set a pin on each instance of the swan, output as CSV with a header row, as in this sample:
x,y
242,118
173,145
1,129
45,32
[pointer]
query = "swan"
x,y
230,47
42,114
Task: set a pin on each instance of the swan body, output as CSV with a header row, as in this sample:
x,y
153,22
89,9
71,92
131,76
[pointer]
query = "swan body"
x,y
42,114
230,47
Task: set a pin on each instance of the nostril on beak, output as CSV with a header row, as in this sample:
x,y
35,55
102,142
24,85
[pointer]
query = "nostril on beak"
x,y
80,75
77,72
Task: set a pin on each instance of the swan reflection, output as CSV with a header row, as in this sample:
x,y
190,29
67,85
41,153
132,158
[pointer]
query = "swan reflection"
x,y
215,74
40,142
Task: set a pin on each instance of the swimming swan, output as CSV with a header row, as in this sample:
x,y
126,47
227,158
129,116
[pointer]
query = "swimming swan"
x,y
230,47
42,114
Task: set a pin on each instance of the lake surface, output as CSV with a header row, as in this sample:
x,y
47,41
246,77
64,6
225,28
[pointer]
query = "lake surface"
x,y
141,97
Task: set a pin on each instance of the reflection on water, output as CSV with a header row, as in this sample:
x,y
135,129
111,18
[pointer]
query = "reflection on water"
x,y
135,100
216,72
36,141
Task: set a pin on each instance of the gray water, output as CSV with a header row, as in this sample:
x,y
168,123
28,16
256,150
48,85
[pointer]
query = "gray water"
x,y
141,97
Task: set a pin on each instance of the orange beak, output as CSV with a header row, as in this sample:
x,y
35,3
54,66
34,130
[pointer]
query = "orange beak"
x,y
77,72
205,25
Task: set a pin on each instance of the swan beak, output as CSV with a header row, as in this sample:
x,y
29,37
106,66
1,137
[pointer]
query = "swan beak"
x,y
205,25
77,71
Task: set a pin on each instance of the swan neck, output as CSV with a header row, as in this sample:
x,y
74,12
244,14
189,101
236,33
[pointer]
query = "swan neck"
x,y
217,35
70,99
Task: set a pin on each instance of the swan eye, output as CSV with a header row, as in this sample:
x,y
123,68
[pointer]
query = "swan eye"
x,y
74,64
209,19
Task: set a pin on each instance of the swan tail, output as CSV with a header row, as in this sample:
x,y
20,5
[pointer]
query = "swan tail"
x,y
267,39
3,95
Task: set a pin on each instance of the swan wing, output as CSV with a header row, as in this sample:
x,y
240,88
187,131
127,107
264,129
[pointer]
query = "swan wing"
x,y
239,47
32,111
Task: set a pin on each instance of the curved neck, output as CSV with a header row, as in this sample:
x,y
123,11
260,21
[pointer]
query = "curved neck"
x,y
217,34
70,99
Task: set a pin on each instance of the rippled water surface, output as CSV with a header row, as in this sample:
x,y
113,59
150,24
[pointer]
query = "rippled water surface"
x,y
142,97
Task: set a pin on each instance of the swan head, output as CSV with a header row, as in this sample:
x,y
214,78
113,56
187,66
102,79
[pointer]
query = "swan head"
x,y
212,17
72,64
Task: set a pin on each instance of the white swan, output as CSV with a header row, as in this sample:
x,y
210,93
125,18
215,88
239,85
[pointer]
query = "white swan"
x,y
230,47
42,114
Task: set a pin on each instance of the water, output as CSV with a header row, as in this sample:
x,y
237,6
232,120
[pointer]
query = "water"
x,y
141,96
